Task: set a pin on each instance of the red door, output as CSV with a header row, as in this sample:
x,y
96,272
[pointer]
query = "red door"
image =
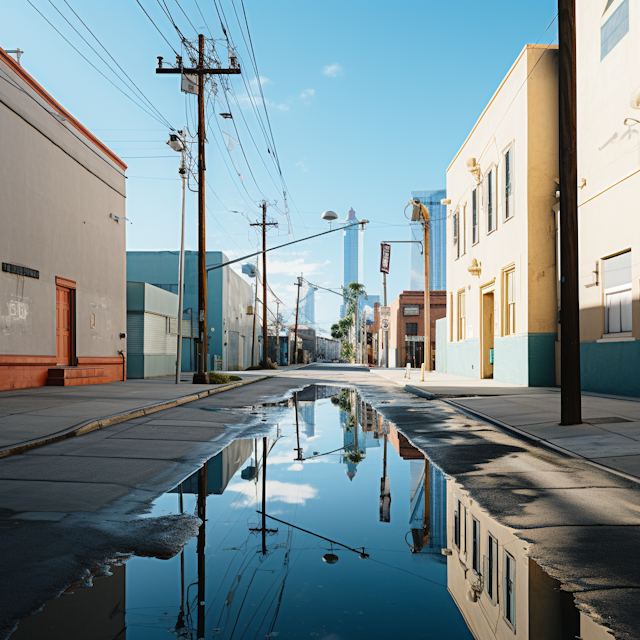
x,y
63,325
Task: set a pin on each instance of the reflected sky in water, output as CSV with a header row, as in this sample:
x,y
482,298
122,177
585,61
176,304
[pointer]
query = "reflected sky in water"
x,y
291,591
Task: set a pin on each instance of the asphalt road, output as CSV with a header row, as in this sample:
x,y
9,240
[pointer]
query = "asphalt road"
x,y
66,507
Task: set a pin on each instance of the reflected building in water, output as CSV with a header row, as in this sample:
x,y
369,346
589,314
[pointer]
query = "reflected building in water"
x,y
500,591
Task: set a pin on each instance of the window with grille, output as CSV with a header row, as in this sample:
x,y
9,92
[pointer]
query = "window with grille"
x,y
474,216
411,329
475,545
509,582
489,190
491,569
456,232
462,316
509,200
509,311
617,294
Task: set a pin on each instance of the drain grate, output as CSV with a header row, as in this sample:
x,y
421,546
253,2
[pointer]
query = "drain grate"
x,y
610,420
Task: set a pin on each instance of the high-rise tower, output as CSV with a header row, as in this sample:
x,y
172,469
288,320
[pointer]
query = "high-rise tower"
x,y
353,265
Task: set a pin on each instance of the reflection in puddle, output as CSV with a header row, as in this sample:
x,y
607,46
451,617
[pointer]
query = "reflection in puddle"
x,y
334,526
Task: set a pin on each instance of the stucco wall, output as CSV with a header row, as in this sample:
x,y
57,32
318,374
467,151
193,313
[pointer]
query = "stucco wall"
x,y
58,192
522,115
441,345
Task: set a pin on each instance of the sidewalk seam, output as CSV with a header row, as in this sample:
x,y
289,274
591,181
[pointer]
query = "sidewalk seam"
x,y
107,421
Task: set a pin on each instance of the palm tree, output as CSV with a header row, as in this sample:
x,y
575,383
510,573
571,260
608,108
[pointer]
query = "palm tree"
x,y
352,293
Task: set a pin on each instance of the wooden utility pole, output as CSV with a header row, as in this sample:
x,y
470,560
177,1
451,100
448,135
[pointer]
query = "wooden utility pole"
x,y
295,333
427,291
200,72
277,332
264,224
571,409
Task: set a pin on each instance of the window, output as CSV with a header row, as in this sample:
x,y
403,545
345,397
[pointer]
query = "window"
x,y
509,204
614,29
475,545
490,198
462,316
509,304
411,310
456,524
411,329
509,581
451,317
456,232
474,216
491,568
617,294
463,527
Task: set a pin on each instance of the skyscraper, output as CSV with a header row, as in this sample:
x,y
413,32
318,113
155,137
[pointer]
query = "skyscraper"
x,y
307,304
437,243
353,255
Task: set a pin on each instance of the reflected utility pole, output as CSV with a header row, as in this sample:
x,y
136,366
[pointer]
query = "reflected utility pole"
x,y
299,457
202,514
264,495
385,491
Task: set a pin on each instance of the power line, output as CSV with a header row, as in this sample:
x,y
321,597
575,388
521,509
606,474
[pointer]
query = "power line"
x,y
155,25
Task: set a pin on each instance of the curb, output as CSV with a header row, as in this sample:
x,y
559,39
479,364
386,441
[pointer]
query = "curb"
x,y
107,421
419,392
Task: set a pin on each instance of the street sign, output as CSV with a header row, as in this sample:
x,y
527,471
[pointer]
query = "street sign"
x,y
189,83
385,313
385,257
384,324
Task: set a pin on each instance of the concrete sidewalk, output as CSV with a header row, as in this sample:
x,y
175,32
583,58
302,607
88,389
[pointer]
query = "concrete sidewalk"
x,y
609,435
32,417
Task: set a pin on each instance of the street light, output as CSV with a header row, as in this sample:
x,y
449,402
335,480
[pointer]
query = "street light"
x,y
177,143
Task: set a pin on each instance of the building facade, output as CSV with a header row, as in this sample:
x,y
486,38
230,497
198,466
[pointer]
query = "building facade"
x,y
230,299
501,255
307,309
437,242
62,243
608,83
406,328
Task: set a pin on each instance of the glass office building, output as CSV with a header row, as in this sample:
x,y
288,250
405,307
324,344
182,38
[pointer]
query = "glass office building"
x,y
437,243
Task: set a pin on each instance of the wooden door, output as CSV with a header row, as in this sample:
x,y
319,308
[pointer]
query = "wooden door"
x,y
487,334
64,325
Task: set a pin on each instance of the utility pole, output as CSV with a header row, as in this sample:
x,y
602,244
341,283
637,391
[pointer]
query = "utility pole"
x,y
201,71
427,293
277,332
570,394
264,224
295,334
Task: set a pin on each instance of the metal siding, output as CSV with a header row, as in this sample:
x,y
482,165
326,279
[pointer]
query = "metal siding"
x,y
135,332
156,339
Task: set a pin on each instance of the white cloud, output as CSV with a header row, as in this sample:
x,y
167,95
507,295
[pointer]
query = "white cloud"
x,y
245,99
288,492
302,164
297,265
306,95
333,70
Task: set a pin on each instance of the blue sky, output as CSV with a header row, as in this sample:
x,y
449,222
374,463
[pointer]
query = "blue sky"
x,y
367,102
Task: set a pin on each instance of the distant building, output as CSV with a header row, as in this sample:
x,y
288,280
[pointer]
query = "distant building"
x,y
353,255
437,243
230,305
62,242
406,327
307,310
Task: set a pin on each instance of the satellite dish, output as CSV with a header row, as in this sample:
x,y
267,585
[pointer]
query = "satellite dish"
x,y
329,215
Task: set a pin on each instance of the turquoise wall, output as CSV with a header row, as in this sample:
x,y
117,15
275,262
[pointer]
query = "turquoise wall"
x,y
542,359
160,268
463,358
441,345
510,362
611,368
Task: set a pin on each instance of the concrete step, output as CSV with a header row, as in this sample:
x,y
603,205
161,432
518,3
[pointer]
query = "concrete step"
x,y
76,376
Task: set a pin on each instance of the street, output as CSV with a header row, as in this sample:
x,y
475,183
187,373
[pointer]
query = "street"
x,y
71,505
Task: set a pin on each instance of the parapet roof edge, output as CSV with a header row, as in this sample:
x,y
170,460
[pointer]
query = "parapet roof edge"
x,y
495,95
16,68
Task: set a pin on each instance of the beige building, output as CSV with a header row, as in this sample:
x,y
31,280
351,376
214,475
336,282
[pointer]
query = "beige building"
x,y
501,235
608,81
62,245
502,593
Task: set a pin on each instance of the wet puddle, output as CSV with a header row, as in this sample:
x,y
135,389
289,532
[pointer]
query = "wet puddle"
x,y
360,537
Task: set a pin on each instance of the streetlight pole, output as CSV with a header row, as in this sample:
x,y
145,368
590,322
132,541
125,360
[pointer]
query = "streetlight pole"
x,y
178,143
